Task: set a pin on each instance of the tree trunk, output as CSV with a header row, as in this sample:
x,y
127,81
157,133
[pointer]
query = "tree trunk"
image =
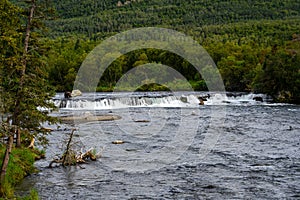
x,y
23,71
67,152
18,134
6,158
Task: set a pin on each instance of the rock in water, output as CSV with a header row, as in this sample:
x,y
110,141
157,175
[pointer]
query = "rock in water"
x,y
183,99
76,93
118,142
89,118
142,120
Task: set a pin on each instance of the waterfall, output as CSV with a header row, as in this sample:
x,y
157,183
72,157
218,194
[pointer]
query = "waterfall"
x,y
99,101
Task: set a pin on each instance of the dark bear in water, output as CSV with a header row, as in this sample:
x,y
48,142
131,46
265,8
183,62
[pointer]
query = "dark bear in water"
x,y
258,99
201,100
68,94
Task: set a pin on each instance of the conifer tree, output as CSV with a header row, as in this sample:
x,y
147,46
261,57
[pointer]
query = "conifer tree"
x,y
25,93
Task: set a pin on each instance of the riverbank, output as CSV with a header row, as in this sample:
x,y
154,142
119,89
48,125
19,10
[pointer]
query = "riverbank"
x,y
21,164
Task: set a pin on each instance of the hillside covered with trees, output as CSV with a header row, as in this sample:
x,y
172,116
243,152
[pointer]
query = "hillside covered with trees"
x,y
255,44
90,17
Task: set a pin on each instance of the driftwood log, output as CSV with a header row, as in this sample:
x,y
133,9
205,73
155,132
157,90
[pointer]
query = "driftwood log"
x,y
70,157
32,143
73,159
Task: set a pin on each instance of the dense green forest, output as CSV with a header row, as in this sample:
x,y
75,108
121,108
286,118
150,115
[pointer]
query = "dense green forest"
x,y
93,16
254,43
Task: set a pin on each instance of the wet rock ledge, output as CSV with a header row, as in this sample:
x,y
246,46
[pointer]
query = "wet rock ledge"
x,y
89,118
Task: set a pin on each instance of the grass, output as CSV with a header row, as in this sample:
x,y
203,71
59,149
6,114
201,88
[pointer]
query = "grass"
x,y
20,165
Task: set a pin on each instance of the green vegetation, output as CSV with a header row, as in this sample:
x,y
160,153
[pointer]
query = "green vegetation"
x,y
20,165
245,65
106,16
279,75
25,93
239,35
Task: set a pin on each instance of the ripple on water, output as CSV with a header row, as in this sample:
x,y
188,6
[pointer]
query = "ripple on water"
x,y
256,157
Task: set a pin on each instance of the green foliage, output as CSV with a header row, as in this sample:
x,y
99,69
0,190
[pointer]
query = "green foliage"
x,y
279,76
199,85
239,35
242,64
30,89
152,87
236,64
64,59
20,165
9,50
25,92
91,17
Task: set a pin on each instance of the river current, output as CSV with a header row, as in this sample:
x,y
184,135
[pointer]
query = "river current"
x,y
232,147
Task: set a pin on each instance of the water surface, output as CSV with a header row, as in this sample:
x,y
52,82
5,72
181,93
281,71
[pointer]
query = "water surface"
x,y
255,156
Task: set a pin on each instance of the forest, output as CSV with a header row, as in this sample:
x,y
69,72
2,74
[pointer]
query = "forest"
x,y
255,44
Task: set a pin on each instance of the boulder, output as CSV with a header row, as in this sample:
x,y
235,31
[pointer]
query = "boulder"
x,y
183,99
142,120
76,93
118,142
89,118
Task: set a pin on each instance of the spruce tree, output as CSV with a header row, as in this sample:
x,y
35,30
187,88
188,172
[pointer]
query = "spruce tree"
x,y
25,93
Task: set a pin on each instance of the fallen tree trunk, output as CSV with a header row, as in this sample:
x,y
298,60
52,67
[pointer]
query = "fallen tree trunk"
x,y
70,157
32,143
81,158
6,159
68,154
73,159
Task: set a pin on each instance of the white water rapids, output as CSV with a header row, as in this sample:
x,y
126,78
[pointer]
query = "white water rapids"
x,y
123,100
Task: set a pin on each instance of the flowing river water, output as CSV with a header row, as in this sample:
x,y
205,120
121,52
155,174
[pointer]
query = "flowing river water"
x,y
232,147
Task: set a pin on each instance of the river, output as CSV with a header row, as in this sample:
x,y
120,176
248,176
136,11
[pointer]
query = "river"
x,y
232,147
